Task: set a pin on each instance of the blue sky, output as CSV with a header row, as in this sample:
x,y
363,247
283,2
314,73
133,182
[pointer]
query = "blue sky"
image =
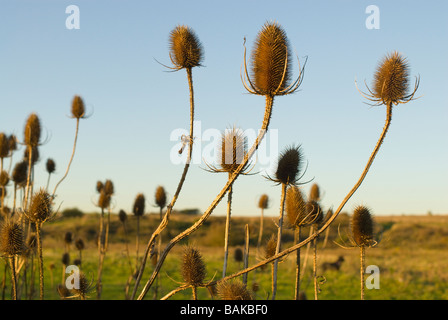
x,y
136,105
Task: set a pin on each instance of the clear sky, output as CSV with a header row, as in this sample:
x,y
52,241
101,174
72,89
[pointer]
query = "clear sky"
x,y
136,106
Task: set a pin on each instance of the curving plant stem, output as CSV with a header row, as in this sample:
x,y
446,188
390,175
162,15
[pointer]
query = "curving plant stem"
x,y
297,286
335,214
226,236
279,240
166,217
362,255
206,214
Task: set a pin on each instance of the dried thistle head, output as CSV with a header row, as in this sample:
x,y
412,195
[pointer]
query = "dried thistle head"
x,y
65,259
99,186
315,192
238,255
34,155
263,202
122,216
139,205
41,207
362,227
78,109
68,238
4,178
289,166
185,48
4,145
12,143
193,267
391,81
104,199
12,241
109,187
296,208
83,287
314,212
79,243
271,246
233,290
50,166
233,149
32,131
160,197
20,173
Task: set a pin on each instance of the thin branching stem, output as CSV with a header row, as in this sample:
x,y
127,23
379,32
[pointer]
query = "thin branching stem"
x,y
279,239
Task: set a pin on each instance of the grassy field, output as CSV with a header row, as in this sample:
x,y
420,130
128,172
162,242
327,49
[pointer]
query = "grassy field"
x,y
411,257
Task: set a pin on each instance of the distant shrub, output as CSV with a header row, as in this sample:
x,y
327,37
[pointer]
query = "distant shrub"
x,y
72,212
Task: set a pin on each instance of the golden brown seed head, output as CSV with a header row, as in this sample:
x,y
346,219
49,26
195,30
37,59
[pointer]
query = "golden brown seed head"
x,y
4,145
362,226
11,239
32,131
185,48
40,209
109,187
296,207
271,62
139,205
271,246
78,109
51,166
391,81
263,202
233,290
315,192
12,143
79,244
122,216
4,178
20,172
160,197
104,199
233,149
314,212
34,155
289,165
193,267
99,186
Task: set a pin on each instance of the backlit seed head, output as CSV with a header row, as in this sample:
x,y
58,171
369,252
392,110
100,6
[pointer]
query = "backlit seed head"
x,y
233,149
11,239
263,202
83,287
99,186
109,187
12,143
34,155
122,216
51,166
139,205
185,48
289,165
233,290
296,207
271,246
104,199
32,131
20,172
314,212
41,207
78,109
193,267
271,62
4,145
391,80
315,192
362,226
160,197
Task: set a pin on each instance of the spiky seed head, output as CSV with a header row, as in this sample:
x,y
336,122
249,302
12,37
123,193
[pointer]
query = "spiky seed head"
x,y
160,197
32,131
271,246
238,255
78,109
32,243
34,155
41,207
233,290
109,187
84,287
263,202
271,62
4,178
185,48
139,205
193,267
315,192
11,238
362,226
289,165
68,238
104,199
12,143
77,262
79,243
314,212
99,186
122,216
4,145
65,259
50,165
296,207
20,173
232,150
391,80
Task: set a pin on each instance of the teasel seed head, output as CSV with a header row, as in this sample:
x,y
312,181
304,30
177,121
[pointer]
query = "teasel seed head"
x,y
109,187
315,192
193,267
139,205
68,238
238,255
122,216
104,199
263,202
233,150
271,60
84,287
314,212
78,109
233,290
12,143
289,166
20,173
65,259
12,241
160,197
271,246
185,48
4,145
79,243
41,207
32,131
50,165
296,208
362,226
4,178
34,156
